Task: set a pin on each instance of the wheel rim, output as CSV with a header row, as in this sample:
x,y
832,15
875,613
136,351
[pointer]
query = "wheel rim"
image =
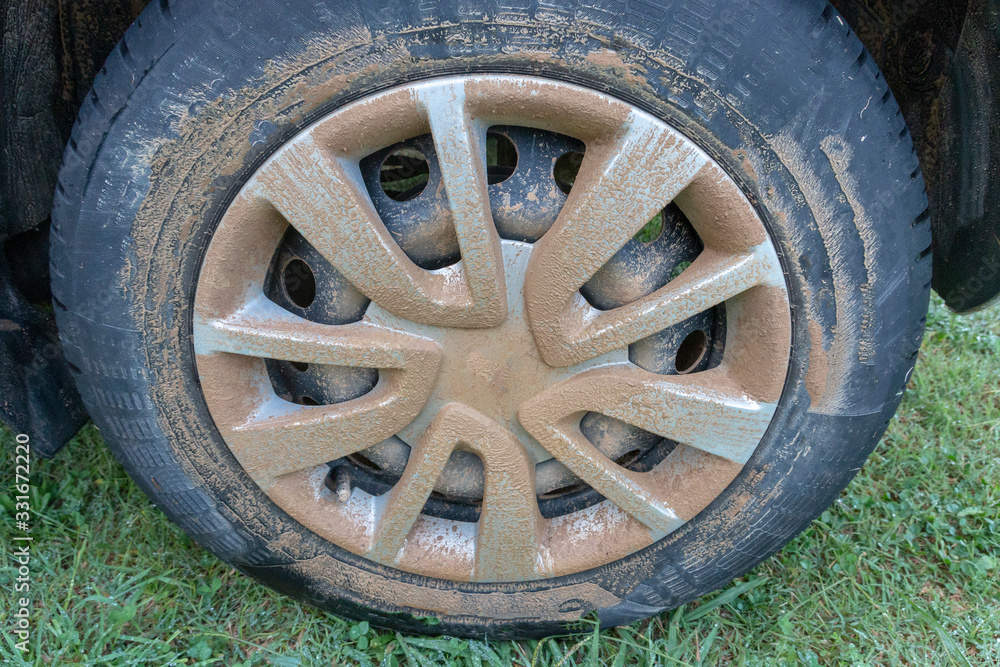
x,y
501,355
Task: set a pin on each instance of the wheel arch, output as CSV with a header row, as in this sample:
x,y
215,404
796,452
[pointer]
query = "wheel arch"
x,y
942,60
46,78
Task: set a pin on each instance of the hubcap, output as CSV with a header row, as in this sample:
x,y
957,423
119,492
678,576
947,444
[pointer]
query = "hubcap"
x,y
505,384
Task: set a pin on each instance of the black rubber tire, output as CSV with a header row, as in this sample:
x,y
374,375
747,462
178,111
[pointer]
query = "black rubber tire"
x,y
782,94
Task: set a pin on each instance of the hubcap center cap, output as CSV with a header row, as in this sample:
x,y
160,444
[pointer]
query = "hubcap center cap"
x,y
490,370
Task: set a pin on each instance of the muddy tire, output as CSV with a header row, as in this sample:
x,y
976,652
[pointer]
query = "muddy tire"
x,y
819,208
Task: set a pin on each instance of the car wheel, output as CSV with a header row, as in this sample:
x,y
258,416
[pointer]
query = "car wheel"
x,y
493,314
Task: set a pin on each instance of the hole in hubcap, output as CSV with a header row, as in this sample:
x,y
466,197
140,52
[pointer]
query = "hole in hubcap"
x,y
679,269
628,457
563,491
501,158
566,169
652,230
365,461
299,283
299,366
691,351
404,174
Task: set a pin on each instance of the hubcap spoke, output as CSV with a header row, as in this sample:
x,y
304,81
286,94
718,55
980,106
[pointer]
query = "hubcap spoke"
x,y
282,438
712,279
263,329
324,198
621,185
509,525
704,411
310,436
461,149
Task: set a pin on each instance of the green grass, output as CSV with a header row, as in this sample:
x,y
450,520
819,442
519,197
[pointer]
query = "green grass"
x,y
903,569
651,230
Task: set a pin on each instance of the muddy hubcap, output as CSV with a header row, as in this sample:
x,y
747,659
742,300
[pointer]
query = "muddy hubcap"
x,y
498,339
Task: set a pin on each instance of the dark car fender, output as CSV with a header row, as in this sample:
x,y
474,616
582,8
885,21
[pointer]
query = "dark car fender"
x,y
966,205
